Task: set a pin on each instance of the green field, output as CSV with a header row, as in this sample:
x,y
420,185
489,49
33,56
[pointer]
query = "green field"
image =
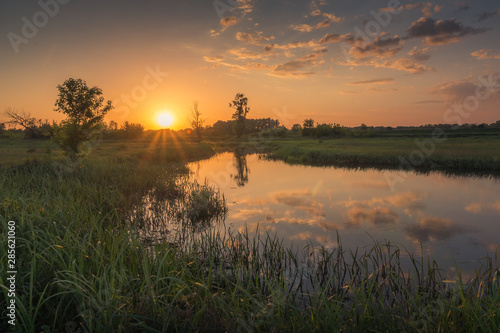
x,y
18,151
83,263
454,155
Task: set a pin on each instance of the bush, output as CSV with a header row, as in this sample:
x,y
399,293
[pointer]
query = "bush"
x,y
324,131
131,130
44,129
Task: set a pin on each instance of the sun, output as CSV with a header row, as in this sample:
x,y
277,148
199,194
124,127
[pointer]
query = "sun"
x,y
165,119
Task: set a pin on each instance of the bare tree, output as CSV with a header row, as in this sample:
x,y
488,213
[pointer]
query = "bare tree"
x,y
22,119
196,120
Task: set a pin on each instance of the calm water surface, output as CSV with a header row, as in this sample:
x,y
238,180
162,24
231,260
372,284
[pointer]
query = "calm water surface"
x,y
453,219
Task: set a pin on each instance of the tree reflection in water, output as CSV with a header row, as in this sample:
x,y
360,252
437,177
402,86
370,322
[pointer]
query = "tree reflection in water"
x,y
240,163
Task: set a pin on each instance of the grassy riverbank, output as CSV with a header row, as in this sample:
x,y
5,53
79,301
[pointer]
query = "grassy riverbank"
x,y
82,262
452,155
480,154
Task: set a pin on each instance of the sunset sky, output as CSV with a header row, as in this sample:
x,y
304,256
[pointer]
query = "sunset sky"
x,y
348,62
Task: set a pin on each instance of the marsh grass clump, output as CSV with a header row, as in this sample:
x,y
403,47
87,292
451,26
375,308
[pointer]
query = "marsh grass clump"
x,y
202,205
176,207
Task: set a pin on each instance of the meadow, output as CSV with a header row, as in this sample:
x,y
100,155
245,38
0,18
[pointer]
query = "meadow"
x,y
84,265
457,155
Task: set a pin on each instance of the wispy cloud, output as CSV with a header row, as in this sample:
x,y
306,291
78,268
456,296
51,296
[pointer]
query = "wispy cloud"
x,y
328,18
486,15
300,68
429,101
373,81
308,28
458,90
255,37
380,56
312,44
347,38
442,31
454,90
380,47
239,9
225,23
316,5
302,27
295,69
485,54
427,8
213,59
244,54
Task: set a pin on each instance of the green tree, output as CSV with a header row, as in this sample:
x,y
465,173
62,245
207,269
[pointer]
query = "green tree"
x,y
85,109
196,120
131,130
113,125
308,123
240,104
308,128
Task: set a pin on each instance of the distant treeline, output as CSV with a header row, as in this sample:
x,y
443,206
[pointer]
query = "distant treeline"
x,y
328,130
43,129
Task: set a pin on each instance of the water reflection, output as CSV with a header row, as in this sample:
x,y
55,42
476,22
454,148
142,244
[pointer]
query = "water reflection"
x,y
453,218
433,229
240,164
380,216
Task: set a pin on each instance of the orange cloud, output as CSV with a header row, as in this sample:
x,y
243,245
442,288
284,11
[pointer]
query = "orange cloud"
x,y
302,27
255,38
374,56
228,21
485,54
427,8
373,81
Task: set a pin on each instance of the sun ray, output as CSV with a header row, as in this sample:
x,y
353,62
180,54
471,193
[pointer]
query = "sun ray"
x,y
154,143
177,145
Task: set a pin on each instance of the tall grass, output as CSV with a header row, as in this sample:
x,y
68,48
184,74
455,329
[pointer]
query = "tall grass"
x,y
83,264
